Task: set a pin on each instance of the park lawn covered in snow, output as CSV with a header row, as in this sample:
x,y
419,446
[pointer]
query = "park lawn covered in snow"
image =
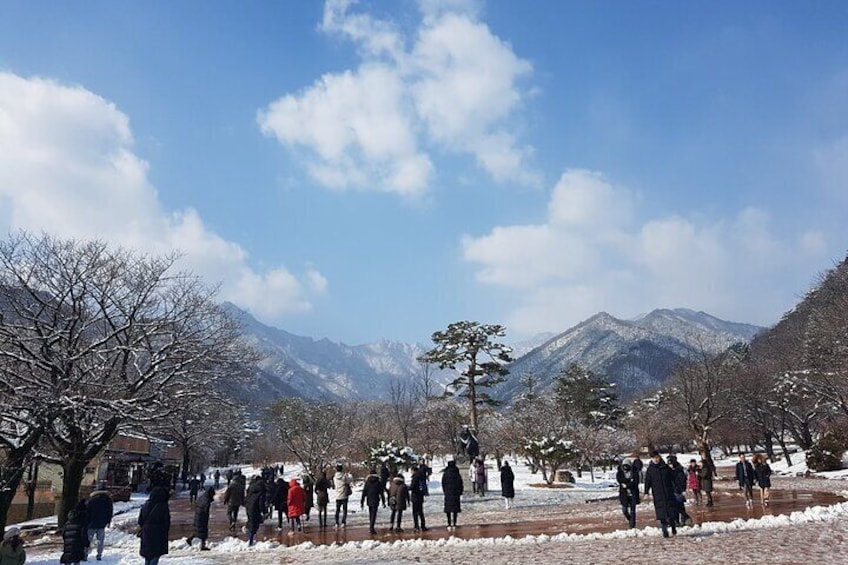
x,y
531,503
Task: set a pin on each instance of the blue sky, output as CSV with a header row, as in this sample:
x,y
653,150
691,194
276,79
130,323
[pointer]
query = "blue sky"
x,y
368,170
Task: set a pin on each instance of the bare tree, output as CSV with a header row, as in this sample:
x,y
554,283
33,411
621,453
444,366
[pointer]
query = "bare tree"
x,y
699,393
104,339
404,407
315,433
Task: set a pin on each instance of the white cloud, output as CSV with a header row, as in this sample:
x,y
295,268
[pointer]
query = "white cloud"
x,y
590,254
455,87
67,167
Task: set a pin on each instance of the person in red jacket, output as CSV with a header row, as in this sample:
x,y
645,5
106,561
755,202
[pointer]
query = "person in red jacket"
x,y
296,506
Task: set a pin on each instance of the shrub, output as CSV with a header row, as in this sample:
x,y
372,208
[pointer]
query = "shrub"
x,y
826,453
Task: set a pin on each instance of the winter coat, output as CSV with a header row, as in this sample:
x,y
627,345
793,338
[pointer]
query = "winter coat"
x,y
745,474
385,475
155,521
322,491
373,492
762,472
308,492
399,494
201,513
660,482
194,485
480,474
418,486
254,502
678,475
452,487
628,485
637,468
12,553
341,479
280,497
693,478
507,482
705,473
75,538
297,500
234,495
100,509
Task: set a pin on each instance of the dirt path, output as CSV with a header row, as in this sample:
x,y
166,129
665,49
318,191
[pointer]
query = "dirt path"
x,y
602,516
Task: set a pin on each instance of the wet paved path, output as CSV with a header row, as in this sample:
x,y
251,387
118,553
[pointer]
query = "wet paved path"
x,y
602,516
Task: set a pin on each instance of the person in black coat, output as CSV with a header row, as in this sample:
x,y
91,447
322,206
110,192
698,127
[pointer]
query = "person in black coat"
x,y
155,522
628,491
385,476
254,502
201,517
507,484
452,489
745,478
660,483
193,488
417,492
100,511
678,475
374,494
280,499
762,472
75,536
322,498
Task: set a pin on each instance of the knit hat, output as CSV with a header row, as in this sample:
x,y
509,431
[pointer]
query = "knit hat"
x,y
12,532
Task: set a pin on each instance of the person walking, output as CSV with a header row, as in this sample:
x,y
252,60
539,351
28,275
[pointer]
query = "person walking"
x,y
100,511
229,476
373,494
12,550
280,501
202,509
398,501
234,499
472,475
322,498
678,474
507,484
254,503
628,491
308,493
193,488
693,480
706,472
342,482
154,519
296,506
745,478
75,536
452,489
659,483
417,491
637,466
762,473
217,476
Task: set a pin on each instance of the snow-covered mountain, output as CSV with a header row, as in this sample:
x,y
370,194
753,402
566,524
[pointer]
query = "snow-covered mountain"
x,y
323,369
636,354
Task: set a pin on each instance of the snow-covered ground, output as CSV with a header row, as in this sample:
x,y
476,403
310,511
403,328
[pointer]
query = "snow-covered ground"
x,y
805,536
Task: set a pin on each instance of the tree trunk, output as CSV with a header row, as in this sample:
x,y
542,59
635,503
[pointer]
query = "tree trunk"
x,y
782,443
186,463
768,443
11,475
32,485
71,482
705,451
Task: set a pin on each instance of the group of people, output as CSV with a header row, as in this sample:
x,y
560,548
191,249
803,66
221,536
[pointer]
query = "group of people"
x,y
667,483
390,489
86,524
748,474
